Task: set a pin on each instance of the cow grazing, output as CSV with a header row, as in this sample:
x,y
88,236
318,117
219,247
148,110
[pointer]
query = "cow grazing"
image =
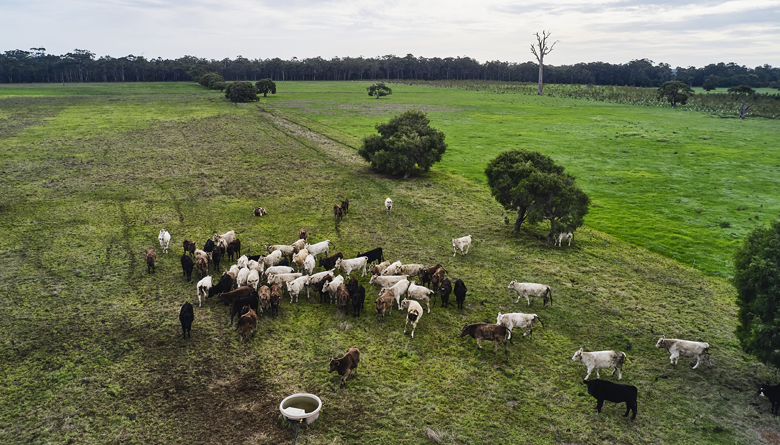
x,y
247,322
216,257
486,331
373,255
773,394
186,317
383,303
338,212
345,205
347,266
399,289
202,266
601,360
461,243
303,234
342,298
388,205
209,246
358,296
414,313
252,301
445,289
164,238
460,292
264,296
295,287
383,281
346,365
224,239
318,248
528,290
377,269
603,390
332,287
685,348
276,299
189,246
438,278
259,211
233,248
151,257
186,266
229,297
563,236
426,275
518,320
224,284
420,293
329,263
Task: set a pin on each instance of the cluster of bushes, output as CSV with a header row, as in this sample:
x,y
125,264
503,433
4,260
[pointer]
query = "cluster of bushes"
x,y
241,91
213,81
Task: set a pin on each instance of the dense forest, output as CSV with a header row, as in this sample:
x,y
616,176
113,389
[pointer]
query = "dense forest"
x,y
35,65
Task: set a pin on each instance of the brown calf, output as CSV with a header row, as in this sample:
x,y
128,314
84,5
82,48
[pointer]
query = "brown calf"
x,y
346,365
486,331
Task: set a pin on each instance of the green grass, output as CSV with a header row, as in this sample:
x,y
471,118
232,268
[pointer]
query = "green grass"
x,y
90,343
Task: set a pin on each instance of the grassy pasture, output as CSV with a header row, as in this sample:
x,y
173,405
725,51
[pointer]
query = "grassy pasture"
x,y
90,343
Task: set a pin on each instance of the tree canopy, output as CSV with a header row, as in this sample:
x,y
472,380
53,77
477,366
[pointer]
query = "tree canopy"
x,y
379,89
266,86
757,279
531,184
404,143
675,92
241,92
209,80
743,93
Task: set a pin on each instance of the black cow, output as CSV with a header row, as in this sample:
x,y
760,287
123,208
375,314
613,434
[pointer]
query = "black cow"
x,y
186,317
251,301
358,295
224,285
234,248
614,392
445,290
460,292
346,365
329,263
186,266
373,255
773,394
209,246
320,287
216,257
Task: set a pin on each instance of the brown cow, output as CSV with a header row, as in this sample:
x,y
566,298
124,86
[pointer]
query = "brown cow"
x,y
189,246
276,298
151,257
342,297
229,297
438,278
264,294
338,212
486,331
345,205
303,234
384,302
425,275
346,365
259,211
247,321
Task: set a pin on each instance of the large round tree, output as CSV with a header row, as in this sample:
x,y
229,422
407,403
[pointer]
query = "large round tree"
x,y
241,92
757,279
404,144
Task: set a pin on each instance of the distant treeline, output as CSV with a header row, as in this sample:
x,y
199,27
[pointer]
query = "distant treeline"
x,y
19,66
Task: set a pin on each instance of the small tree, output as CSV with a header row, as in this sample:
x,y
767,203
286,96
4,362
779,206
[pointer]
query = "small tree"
x,y
266,86
675,92
757,279
711,82
404,142
241,92
379,90
219,86
208,80
743,93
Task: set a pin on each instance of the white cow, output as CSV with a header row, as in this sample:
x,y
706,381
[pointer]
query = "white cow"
x,y
253,279
317,277
308,264
461,243
601,360
316,249
528,290
347,266
414,313
272,259
165,239
518,320
243,261
203,288
398,290
393,269
420,293
242,276
388,205
332,287
224,239
685,348
411,269
276,270
383,281
295,286
563,236
282,278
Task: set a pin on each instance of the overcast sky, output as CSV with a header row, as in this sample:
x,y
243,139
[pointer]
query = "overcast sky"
x,y
678,32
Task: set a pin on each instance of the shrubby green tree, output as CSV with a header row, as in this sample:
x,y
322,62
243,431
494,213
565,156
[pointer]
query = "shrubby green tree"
x,y
711,82
675,92
531,184
208,80
266,86
757,279
379,89
404,143
743,93
241,92
219,86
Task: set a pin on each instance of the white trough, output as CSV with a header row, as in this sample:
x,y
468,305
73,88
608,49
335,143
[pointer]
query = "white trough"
x,y
301,406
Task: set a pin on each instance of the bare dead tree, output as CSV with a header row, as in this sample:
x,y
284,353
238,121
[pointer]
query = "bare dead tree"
x,y
540,49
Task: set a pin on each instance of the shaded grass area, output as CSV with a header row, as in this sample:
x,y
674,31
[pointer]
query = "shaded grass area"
x,y
90,343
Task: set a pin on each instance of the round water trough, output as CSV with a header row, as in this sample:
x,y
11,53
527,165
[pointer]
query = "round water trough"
x,y
301,406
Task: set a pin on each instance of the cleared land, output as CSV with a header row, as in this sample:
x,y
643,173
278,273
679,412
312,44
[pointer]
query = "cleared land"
x,y
90,343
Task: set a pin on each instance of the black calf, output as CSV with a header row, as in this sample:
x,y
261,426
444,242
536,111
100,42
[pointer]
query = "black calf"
x,y
186,317
186,266
773,394
614,392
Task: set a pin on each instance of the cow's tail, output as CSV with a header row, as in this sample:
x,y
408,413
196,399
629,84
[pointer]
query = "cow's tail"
x,y
549,292
540,320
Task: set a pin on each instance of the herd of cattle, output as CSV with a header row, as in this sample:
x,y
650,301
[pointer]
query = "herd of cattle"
x,y
256,285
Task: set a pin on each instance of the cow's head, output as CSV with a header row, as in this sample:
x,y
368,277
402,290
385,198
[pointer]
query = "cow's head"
x,y
577,355
334,364
661,342
465,330
512,284
498,319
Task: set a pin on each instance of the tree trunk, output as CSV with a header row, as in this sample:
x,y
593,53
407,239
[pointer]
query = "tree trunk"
x,y
541,68
520,219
